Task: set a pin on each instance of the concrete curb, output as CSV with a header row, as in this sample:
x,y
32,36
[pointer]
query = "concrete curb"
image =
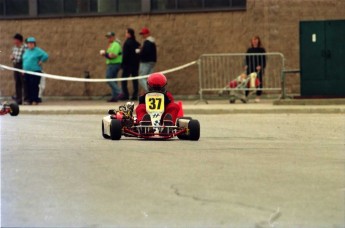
x,y
268,111
189,107
338,101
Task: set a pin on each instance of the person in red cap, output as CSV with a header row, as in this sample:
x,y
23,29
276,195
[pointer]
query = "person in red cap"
x,y
148,56
157,82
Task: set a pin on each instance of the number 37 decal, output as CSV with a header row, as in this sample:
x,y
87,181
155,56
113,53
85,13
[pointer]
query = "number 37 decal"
x,y
155,102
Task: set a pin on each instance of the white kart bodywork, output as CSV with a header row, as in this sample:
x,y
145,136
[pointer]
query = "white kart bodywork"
x,y
106,125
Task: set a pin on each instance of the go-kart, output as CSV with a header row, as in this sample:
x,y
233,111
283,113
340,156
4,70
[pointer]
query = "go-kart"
x,y
122,122
12,109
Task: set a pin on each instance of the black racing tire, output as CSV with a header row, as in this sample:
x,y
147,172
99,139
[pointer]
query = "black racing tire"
x,y
14,109
232,101
183,137
115,129
104,135
194,130
186,118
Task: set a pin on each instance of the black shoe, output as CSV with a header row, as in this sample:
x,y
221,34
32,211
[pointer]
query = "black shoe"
x,y
113,100
167,122
146,121
244,100
134,98
39,100
121,97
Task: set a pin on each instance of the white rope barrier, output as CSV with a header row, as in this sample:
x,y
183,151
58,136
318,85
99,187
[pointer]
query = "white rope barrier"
x,y
75,79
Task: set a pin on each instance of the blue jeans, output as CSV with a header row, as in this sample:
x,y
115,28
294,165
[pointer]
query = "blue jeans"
x,y
112,71
144,69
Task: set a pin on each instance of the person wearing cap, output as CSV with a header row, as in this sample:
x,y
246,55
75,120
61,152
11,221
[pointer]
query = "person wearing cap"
x,y
148,56
33,59
17,60
130,64
113,56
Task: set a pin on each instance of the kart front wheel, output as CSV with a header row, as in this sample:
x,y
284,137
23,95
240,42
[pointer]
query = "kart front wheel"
x,y
104,135
115,129
194,130
14,109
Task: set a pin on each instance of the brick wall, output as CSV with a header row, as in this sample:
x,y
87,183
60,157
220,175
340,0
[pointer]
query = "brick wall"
x,y
74,43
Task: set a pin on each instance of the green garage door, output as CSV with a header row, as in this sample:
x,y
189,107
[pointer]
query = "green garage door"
x,y
322,58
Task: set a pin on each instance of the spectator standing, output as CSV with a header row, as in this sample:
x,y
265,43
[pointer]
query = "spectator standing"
x,y
148,56
17,60
113,56
256,63
33,59
130,64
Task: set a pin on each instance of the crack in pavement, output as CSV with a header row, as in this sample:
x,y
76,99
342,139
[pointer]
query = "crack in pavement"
x,y
274,216
200,199
178,193
270,222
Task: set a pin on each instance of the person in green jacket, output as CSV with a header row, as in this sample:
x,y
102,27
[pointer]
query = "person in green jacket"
x,y
113,56
33,59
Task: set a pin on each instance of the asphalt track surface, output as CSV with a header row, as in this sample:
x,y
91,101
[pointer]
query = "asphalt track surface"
x,y
246,171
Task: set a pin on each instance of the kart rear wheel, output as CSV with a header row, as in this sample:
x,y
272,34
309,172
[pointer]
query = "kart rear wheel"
x,y
115,129
232,101
194,130
14,109
104,135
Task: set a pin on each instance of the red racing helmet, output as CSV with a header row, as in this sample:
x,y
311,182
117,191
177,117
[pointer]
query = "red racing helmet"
x,y
157,82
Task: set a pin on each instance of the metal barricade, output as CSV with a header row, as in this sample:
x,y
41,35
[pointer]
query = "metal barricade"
x,y
216,71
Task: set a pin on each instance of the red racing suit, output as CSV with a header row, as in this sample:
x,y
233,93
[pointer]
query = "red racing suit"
x,y
170,107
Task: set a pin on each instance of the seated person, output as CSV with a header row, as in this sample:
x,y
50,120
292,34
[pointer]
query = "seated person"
x,y
157,82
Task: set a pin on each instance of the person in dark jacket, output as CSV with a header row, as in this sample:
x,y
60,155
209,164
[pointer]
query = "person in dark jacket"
x,y
17,59
148,56
256,63
130,63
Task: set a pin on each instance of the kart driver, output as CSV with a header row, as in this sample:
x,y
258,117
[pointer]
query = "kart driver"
x,y
157,82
